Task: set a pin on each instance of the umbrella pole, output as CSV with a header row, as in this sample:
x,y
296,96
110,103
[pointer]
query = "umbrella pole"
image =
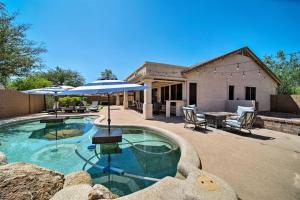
x,y
56,99
45,108
108,120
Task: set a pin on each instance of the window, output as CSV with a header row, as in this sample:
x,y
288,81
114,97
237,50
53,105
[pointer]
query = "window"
x,y
142,96
179,92
173,92
250,93
176,92
164,94
154,95
193,94
231,92
167,96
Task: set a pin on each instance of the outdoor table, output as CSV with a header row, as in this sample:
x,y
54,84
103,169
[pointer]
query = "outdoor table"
x,y
215,119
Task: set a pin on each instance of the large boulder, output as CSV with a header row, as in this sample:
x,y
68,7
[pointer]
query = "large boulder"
x,y
76,178
101,192
74,192
3,160
27,181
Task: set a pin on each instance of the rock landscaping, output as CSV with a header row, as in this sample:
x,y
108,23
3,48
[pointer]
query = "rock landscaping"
x,y
27,181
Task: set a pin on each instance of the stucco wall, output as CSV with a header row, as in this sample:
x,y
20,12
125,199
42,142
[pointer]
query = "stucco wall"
x,y
14,103
212,88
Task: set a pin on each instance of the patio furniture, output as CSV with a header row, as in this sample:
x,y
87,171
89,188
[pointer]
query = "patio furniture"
x,y
156,108
69,109
94,106
139,107
215,119
240,110
132,105
190,117
197,110
82,107
245,121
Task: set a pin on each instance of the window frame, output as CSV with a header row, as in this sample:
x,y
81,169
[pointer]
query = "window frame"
x,y
229,94
250,93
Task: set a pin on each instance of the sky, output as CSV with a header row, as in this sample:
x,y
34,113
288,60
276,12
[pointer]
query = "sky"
x,y
91,35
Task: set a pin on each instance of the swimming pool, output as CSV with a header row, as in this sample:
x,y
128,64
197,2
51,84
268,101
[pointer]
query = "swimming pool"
x,y
63,147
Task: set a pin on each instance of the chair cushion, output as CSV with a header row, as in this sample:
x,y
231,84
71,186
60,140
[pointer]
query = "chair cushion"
x,y
235,117
200,120
191,106
232,122
199,115
242,109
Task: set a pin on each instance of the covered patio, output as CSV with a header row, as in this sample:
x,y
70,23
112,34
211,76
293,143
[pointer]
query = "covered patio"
x,y
166,90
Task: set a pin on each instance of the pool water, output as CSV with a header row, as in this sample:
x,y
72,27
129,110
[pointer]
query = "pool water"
x,y
63,147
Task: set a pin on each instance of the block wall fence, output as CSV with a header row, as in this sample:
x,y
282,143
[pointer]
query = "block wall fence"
x,y
14,103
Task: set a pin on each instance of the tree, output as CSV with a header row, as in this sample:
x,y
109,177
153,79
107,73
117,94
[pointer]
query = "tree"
x,y
60,76
30,82
19,56
287,69
107,74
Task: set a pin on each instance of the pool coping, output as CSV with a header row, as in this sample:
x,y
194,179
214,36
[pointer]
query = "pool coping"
x,y
198,184
28,118
189,166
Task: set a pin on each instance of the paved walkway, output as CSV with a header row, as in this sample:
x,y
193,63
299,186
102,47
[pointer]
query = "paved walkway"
x,y
263,166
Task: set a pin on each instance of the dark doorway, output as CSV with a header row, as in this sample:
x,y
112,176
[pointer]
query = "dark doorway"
x,y
193,94
231,92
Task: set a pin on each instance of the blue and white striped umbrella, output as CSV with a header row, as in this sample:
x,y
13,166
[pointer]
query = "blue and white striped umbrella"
x,y
103,87
49,90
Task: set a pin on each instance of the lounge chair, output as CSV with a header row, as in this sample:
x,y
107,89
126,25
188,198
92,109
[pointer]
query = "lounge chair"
x,y
82,107
52,110
244,119
190,117
94,106
69,109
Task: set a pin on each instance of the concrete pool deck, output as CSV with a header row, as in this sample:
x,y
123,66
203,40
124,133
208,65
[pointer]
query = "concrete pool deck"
x,y
263,166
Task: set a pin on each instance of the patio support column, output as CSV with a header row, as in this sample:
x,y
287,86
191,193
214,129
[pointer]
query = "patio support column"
x,y
125,100
184,92
147,106
118,100
158,94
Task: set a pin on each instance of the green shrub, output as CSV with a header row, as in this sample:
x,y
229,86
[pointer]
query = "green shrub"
x,y
69,101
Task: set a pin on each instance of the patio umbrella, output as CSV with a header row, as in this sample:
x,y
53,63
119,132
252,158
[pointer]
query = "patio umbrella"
x,y
54,90
103,87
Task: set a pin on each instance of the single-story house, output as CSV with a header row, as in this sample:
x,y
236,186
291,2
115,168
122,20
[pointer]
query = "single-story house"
x,y
219,84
